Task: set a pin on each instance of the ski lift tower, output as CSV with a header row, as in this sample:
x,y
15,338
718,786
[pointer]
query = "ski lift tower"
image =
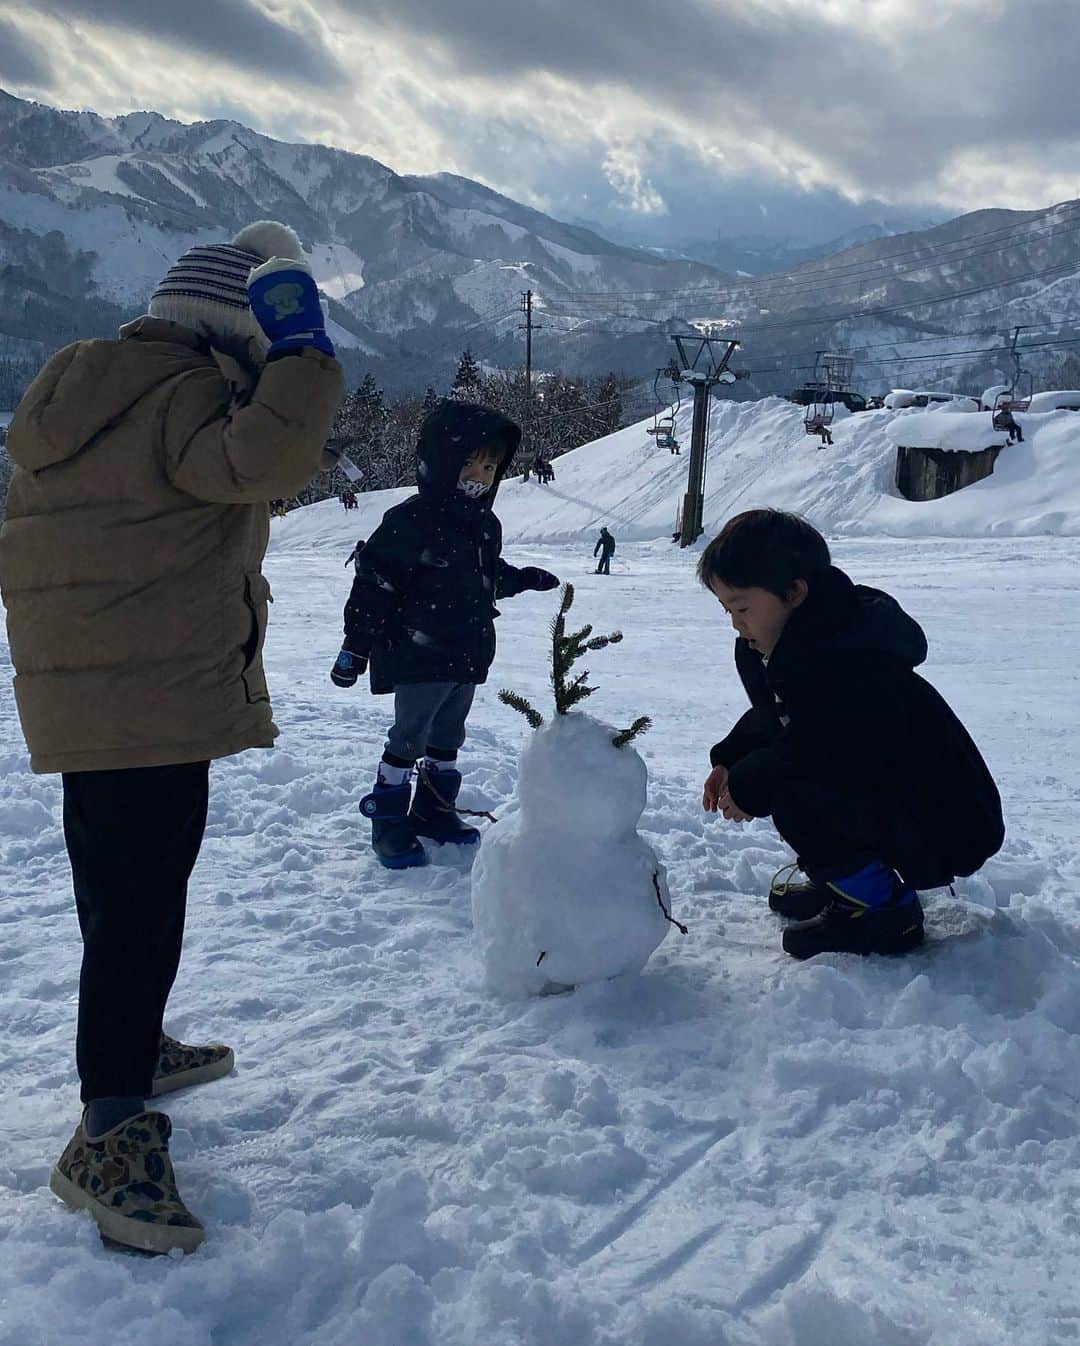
x,y
701,361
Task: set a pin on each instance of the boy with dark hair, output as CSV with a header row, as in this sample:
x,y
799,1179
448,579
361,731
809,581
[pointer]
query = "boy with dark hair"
x,y
865,771
422,614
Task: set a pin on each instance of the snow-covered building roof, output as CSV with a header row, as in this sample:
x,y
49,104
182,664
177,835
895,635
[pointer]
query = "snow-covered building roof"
x,y
943,429
1065,399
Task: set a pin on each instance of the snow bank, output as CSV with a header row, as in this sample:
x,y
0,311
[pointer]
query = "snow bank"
x,y
1063,398
943,429
760,454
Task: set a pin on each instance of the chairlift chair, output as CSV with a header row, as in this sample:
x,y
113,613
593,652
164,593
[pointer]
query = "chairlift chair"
x,y
1020,395
819,414
663,427
665,434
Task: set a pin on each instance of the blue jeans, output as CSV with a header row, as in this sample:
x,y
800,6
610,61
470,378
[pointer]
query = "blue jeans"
x,y
429,716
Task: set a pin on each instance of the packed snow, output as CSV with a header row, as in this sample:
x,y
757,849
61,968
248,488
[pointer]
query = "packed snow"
x,y
727,1149
1065,399
760,454
945,430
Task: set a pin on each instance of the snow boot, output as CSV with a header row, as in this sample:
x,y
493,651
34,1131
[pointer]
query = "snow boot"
x,y
433,814
393,836
797,901
180,1066
125,1180
851,924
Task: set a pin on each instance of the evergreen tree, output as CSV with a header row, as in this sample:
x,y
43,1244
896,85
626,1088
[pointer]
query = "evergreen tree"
x,y
469,380
607,400
359,431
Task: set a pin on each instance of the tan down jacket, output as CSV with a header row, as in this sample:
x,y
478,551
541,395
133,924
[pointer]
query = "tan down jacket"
x,y
136,527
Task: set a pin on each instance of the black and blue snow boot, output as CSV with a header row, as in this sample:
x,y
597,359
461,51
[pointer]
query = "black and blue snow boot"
x,y
393,836
798,901
433,814
872,911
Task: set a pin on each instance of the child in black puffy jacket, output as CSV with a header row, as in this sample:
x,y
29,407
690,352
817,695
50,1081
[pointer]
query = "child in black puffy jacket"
x,y
865,771
421,616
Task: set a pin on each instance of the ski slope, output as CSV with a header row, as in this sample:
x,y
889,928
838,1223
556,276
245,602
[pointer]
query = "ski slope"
x,y
731,1149
760,454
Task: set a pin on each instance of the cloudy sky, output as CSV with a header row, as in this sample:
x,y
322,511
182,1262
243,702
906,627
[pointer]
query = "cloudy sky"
x,y
661,121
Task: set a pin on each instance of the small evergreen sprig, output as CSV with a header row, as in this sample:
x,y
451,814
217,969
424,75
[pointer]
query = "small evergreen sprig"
x,y
566,650
518,702
625,736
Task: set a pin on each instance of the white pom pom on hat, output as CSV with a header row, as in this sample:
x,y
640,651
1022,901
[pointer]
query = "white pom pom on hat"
x,y
268,238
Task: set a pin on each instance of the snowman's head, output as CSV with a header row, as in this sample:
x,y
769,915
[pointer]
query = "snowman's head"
x,y
574,782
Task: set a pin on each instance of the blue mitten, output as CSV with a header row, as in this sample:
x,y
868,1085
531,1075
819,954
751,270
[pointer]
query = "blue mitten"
x,y
347,668
285,301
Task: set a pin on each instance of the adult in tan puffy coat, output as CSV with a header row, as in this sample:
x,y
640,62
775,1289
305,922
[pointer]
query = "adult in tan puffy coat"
x,y
130,566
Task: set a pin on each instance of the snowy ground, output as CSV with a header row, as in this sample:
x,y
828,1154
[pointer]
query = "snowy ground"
x,y
732,1148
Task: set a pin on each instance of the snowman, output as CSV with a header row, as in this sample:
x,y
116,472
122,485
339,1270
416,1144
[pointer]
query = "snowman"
x,y
564,890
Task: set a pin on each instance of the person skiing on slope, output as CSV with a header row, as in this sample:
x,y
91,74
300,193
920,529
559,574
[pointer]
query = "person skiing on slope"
x,y
421,615
130,563
605,544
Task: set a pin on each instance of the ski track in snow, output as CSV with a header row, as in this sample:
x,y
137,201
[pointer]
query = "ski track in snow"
x,y
731,1148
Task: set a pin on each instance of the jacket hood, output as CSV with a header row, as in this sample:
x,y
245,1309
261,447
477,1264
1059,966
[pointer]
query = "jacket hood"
x,y
838,614
450,435
89,386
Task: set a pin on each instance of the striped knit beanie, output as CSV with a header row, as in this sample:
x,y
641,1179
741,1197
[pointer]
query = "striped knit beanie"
x,y
206,290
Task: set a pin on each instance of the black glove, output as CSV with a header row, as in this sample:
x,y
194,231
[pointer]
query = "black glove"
x,y
347,668
535,578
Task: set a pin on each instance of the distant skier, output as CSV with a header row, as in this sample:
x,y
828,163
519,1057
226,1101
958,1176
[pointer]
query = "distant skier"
x,y
866,772
422,611
605,549
131,567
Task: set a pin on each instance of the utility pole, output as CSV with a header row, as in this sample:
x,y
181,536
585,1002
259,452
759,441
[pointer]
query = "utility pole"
x,y
528,327
703,368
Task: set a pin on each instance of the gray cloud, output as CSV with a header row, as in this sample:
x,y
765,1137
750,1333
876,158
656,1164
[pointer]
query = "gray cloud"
x,y
22,61
240,32
729,117
885,107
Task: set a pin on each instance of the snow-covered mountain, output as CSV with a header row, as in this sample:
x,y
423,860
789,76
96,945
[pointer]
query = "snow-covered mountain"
x,y
908,307
93,209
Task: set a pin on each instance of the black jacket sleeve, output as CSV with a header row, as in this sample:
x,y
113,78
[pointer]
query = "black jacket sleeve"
x,y
847,730
754,730
384,569
509,580
596,549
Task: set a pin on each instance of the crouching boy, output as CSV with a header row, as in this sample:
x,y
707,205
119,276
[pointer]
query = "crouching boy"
x,y
865,771
422,613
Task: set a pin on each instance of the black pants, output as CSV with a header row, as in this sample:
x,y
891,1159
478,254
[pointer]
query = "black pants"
x,y
833,832
132,838
604,568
